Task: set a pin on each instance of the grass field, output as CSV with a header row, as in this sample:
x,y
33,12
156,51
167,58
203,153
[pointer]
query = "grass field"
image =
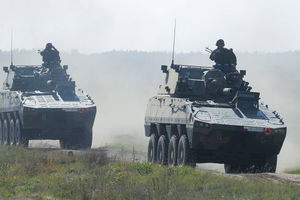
x,y
293,171
37,174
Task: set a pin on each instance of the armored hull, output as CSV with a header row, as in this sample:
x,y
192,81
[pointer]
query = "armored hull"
x,y
44,103
189,123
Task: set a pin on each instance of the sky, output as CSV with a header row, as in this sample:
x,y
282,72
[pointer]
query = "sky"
x,y
95,26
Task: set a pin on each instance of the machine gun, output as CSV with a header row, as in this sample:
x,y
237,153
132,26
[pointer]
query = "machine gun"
x,y
207,49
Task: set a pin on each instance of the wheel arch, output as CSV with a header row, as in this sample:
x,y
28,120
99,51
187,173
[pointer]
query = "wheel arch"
x,y
172,130
153,130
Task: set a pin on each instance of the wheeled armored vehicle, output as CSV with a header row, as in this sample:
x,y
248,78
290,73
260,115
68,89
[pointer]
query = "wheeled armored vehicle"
x,y
209,115
42,102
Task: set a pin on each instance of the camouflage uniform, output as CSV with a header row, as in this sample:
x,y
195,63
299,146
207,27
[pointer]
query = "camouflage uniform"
x,y
50,55
223,56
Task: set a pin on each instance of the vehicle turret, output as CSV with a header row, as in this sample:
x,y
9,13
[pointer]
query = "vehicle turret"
x,y
202,83
210,114
43,102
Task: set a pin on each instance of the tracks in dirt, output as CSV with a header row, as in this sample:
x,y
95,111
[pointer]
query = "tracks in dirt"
x,y
216,169
274,177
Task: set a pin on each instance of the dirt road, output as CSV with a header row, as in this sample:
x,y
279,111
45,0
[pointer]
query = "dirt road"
x,y
138,156
278,177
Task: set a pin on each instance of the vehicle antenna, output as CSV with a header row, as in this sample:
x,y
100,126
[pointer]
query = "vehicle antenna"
x,y
11,49
172,65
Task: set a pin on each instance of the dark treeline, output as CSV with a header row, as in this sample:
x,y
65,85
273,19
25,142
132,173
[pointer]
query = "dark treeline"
x,y
121,82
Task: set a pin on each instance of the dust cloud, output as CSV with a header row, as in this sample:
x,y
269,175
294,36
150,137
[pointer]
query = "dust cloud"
x,y
121,82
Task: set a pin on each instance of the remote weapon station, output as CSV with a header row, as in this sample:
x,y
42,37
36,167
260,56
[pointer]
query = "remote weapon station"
x,y
206,115
42,102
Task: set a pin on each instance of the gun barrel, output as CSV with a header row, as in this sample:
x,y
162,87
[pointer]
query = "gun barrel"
x,y
208,50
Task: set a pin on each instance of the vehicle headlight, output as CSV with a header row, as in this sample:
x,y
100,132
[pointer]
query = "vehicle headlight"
x,y
203,116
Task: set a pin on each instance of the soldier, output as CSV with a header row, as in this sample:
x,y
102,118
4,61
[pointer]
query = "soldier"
x,y
224,58
50,55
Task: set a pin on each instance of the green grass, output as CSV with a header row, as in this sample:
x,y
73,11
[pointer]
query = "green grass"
x,y
293,171
91,175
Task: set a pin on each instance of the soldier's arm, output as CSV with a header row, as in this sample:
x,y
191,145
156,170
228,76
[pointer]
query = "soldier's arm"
x,y
213,55
55,49
232,56
234,60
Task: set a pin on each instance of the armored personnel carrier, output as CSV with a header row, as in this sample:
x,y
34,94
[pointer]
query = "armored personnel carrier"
x,y
206,115
42,102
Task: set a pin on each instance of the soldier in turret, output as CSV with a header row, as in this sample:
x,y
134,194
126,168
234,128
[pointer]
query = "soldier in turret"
x,y
224,58
50,56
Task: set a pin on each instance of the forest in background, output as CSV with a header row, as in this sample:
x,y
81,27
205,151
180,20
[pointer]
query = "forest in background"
x,y
121,82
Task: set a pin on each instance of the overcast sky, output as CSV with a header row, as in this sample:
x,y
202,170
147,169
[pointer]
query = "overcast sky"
x,y
102,25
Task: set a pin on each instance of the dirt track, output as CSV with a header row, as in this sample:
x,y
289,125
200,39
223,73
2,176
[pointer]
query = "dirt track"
x,y
132,155
278,177
219,169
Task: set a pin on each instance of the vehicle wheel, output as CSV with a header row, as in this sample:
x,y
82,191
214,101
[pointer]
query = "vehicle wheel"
x,y
83,141
71,143
172,151
17,133
5,132
87,139
229,168
19,137
1,132
185,154
242,168
232,168
152,149
12,139
24,142
269,165
62,144
162,150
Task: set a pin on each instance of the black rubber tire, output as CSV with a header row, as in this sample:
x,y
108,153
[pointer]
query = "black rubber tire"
x,y
62,144
162,150
87,139
151,155
185,155
18,138
21,140
172,151
81,142
227,168
12,140
24,142
1,132
233,168
5,132
272,164
265,166
71,143
269,165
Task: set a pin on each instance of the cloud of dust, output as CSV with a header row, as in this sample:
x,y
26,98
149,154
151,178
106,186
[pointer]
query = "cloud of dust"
x,y
121,83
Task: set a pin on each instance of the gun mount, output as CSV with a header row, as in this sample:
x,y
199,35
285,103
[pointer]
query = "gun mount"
x,y
203,83
205,114
42,102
